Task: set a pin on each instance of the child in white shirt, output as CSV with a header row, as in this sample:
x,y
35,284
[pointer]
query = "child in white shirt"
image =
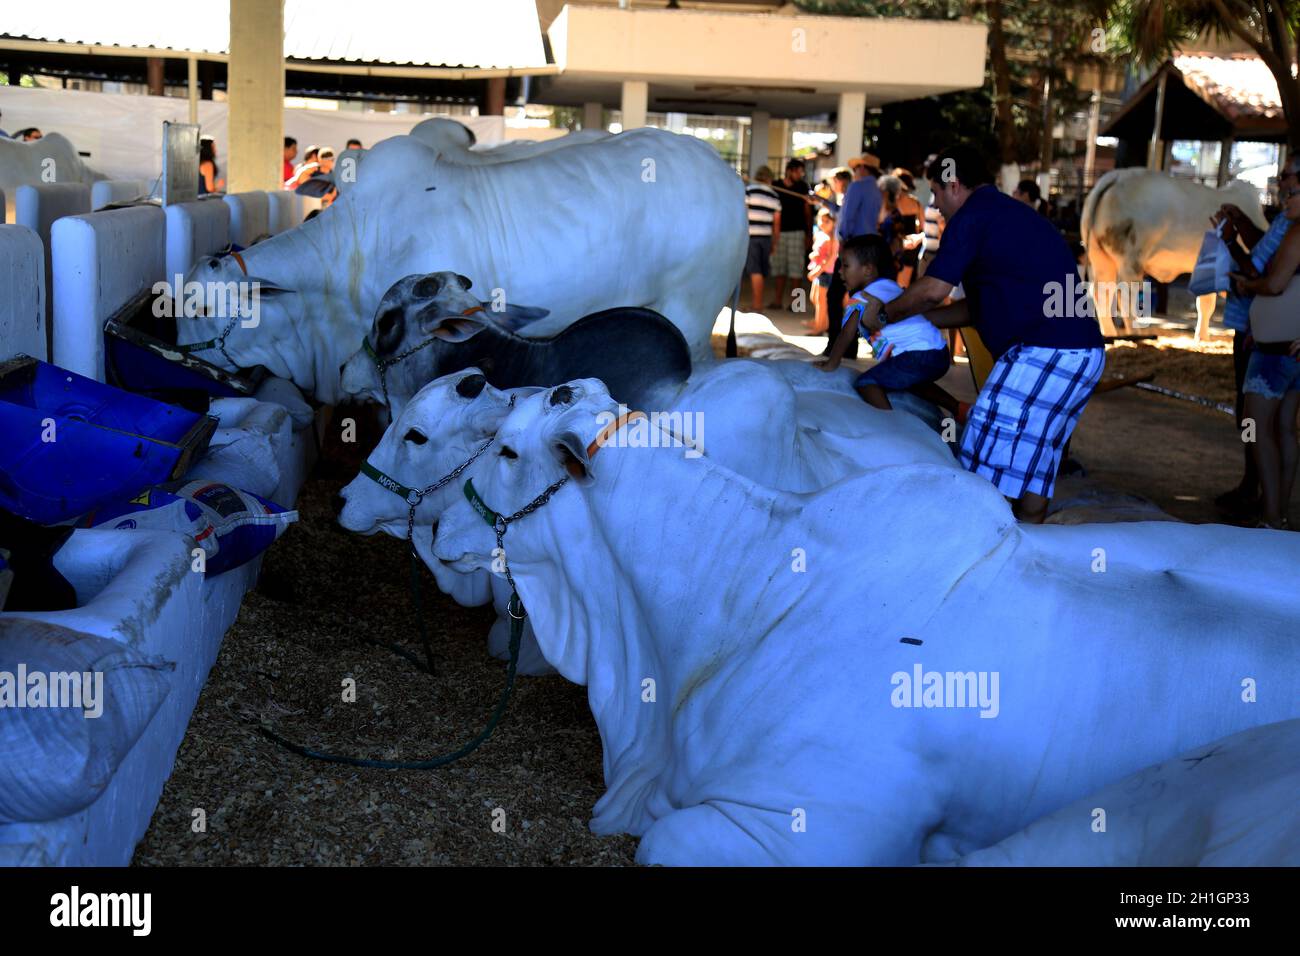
x,y
911,353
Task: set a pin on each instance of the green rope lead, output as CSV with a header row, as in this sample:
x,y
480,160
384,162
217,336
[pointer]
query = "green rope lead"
x,y
517,615
419,610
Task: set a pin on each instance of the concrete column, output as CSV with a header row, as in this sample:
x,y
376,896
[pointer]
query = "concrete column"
x,y
154,75
256,90
779,144
192,81
852,113
593,116
759,123
636,96
494,97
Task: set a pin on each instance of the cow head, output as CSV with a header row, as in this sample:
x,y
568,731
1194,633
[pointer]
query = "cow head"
x,y
547,438
331,273
419,333
439,429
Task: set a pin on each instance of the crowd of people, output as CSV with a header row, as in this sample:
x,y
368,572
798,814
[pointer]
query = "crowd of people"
x,y
317,162
903,275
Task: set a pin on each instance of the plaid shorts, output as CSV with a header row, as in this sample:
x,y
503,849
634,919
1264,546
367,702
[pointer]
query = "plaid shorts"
x,y
790,258
1025,413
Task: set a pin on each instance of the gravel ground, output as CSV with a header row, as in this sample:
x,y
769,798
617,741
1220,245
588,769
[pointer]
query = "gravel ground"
x,y
323,592
1178,362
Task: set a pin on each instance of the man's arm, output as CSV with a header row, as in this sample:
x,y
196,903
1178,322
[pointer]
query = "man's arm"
x,y
853,211
776,228
955,315
922,297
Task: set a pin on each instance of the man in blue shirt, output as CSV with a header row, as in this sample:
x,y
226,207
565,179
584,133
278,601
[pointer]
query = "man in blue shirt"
x,y
1243,500
858,216
1020,282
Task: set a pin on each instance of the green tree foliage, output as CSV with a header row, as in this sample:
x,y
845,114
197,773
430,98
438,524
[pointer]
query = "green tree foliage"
x,y
1151,30
1034,46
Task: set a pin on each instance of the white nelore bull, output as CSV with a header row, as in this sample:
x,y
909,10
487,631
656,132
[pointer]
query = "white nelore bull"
x,y
1231,802
739,412
50,159
573,229
1139,222
862,675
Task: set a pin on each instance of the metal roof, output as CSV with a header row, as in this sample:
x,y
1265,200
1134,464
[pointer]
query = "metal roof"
x,y
486,34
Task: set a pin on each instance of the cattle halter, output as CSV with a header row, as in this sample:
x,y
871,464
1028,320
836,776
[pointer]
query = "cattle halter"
x,y
218,343
413,497
499,523
382,365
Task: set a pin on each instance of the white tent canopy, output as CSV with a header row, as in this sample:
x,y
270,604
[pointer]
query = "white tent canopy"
x,y
485,34
123,133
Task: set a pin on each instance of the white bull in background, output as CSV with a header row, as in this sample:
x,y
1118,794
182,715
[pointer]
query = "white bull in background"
x,y
1139,222
572,228
740,412
804,678
50,159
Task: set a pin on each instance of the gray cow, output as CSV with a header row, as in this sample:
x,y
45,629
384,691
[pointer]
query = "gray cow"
x,y
428,326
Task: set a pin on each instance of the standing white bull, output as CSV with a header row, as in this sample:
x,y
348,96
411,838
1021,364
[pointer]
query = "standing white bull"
x,y
50,159
752,712
1138,222
644,218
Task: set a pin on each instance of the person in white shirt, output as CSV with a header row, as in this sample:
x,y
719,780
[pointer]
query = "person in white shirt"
x,y
911,354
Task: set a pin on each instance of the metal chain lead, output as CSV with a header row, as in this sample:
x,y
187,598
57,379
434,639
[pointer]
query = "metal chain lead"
x,y
502,523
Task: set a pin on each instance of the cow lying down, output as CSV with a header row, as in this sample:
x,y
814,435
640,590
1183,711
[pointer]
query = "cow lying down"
x,y
429,325
796,678
1227,803
739,412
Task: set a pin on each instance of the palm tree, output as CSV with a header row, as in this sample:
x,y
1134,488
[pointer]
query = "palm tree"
x,y
1153,29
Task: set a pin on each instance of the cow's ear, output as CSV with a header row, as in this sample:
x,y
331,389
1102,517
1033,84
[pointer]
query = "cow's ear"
x,y
450,328
465,282
573,429
266,286
570,451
